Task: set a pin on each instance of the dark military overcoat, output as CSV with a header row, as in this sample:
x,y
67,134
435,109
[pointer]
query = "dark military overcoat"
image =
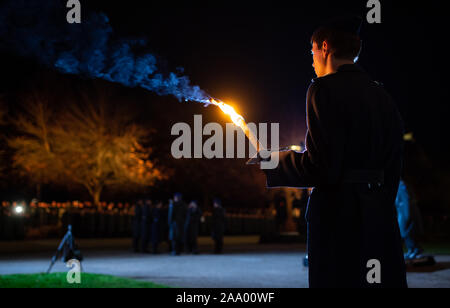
x,y
353,159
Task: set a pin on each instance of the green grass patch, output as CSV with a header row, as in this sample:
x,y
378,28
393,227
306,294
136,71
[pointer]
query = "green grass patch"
x,y
436,248
59,280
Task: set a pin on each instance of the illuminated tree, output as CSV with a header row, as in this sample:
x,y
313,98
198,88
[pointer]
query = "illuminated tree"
x,y
34,156
100,146
3,113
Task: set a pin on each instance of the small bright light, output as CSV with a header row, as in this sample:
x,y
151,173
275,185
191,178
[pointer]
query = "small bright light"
x,y
408,137
229,110
18,209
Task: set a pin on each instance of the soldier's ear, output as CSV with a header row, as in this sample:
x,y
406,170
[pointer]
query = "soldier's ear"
x,y
325,48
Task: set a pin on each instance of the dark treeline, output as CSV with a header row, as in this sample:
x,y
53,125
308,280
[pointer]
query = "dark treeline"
x,y
38,220
240,186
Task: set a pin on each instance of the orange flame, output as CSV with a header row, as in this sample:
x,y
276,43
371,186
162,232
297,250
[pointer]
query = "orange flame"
x,y
239,121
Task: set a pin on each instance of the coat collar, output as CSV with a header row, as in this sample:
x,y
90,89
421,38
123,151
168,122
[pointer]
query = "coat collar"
x,y
350,68
344,68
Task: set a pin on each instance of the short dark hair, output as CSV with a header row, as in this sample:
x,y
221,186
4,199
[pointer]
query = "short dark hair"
x,y
343,45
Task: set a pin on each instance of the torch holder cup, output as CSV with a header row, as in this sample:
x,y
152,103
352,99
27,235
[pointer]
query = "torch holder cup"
x,y
263,155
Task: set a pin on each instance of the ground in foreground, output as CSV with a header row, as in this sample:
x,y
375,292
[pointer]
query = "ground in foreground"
x,y
59,280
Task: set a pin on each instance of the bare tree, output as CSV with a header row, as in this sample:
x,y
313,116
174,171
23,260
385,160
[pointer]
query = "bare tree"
x,y
3,111
100,146
3,121
91,143
34,156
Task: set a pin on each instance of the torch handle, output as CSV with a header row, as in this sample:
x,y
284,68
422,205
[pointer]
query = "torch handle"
x,y
252,138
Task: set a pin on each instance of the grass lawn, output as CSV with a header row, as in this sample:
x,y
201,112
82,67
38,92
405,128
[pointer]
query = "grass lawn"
x,y
58,280
436,248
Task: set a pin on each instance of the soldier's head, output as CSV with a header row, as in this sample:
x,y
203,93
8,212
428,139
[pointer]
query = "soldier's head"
x,y
217,202
334,44
193,204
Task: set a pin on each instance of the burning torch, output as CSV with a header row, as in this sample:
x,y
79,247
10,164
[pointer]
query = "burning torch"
x,y
239,121
19,209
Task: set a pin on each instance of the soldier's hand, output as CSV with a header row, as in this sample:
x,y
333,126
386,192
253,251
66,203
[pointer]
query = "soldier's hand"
x,y
263,155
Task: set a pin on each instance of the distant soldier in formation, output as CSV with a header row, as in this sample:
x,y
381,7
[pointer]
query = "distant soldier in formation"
x,y
218,225
90,222
410,222
177,218
281,215
156,226
34,214
2,219
194,215
164,223
302,204
146,225
7,226
353,161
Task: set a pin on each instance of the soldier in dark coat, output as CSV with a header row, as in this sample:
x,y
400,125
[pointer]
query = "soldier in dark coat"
x,y
2,219
7,224
156,226
218,225
177,218
146,225
191,228
301,204
353,160
409,221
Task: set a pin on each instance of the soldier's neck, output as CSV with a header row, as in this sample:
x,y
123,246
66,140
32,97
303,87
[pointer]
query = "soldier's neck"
x,y
333,64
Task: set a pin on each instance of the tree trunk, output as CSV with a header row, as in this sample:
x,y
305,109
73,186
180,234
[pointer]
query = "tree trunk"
x,y
96,196
38,191
94,191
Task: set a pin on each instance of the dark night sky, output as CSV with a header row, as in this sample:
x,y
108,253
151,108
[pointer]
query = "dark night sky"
x,y
257,55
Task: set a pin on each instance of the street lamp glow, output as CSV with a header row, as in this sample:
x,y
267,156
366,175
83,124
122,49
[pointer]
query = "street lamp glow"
x,y
296,148
18,209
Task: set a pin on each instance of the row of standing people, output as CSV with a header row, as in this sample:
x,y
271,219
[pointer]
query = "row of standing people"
x,y
183,223
20,220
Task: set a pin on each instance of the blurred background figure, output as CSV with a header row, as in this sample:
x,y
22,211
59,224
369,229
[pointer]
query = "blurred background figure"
x,y
281,215
177,218
301,204
17,218
2,220
164,223
137,220
191,228
218,225
409,221
156,226
7,223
